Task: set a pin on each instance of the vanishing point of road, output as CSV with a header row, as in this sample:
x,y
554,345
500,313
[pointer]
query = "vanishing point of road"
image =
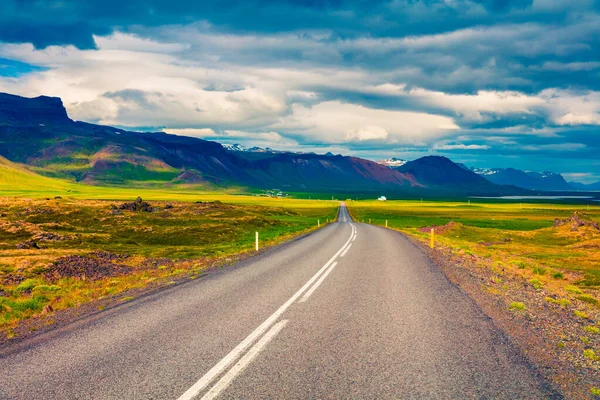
x,y
352,311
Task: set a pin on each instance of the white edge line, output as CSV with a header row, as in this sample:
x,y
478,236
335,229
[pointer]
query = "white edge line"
x,y
224,382
235,353
316,285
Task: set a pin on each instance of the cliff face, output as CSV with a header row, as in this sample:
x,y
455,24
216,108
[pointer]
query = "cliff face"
x,y
17,110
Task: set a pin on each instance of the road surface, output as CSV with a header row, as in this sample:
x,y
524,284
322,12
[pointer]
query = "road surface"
x,y
350,311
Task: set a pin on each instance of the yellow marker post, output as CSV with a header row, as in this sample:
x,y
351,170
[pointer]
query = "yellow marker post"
x,y
386,223
432,238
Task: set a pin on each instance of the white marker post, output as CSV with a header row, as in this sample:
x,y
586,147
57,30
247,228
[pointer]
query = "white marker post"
x,y
256,241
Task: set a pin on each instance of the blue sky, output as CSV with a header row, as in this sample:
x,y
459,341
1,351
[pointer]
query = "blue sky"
x,y
487,83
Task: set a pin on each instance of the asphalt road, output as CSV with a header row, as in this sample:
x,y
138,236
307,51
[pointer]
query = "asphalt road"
x,y
351,311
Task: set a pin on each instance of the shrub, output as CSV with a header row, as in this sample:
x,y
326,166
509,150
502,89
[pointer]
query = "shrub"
x,y
536,283
581,314
27,285
573,289
595,391
588,299
591,354
517,305
591,329
562,302
558,275
539,270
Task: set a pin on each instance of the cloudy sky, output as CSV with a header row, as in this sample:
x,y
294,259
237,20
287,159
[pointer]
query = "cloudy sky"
x,y
488,83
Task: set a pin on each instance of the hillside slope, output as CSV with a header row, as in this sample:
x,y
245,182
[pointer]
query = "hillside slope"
x,y
442,175
37,132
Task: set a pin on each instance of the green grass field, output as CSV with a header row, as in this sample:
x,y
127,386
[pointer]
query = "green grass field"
x,y
89,250
509,233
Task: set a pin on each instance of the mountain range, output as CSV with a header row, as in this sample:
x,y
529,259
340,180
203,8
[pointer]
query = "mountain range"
x,y
539,181
38,133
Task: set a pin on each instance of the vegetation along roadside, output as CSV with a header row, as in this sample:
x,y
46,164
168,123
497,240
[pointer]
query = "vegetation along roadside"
x,y
58,254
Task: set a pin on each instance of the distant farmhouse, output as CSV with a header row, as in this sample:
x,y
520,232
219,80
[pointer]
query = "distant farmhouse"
x,y
275,193
382,198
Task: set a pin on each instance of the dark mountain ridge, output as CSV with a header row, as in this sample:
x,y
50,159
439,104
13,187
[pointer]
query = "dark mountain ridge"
x,y
38,132
548,181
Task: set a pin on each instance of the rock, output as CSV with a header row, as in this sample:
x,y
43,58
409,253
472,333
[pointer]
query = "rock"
x,y
47,309
115,212
168,207
48,237
137,205
2,215
576,222
57,197
29,244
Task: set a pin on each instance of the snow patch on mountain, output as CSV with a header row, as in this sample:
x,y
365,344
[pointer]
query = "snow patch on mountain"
x,y
392,162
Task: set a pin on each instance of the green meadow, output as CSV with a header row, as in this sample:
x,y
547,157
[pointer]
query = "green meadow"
x,y
64,244
513,234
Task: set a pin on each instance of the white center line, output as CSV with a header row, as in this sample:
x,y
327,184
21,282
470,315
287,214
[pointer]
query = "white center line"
x,y
240,348
316,285
244,361
345,251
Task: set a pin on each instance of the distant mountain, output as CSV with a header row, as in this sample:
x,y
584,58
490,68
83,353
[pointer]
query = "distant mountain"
x,y
441,173
548,181
234,147
37,132
392,162
15,110
592,187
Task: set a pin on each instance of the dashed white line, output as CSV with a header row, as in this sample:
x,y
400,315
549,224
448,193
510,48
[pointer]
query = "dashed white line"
x,y
215,371
244,361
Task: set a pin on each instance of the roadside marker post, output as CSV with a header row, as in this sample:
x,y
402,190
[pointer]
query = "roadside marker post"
x,y
432,238
386,223
369,220
318,223
256,241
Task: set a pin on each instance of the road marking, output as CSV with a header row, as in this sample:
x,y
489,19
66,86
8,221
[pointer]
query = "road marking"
x,y
345,251
316,285
244,361
240,348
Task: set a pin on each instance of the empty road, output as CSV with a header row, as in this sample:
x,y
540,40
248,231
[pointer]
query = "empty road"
x,y
350,311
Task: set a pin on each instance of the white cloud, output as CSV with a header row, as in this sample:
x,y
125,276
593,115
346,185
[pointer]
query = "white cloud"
x,y
459,146
334,121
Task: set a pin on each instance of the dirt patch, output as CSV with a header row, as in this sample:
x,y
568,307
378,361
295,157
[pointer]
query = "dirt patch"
x,y
93,266
439,230
28,244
